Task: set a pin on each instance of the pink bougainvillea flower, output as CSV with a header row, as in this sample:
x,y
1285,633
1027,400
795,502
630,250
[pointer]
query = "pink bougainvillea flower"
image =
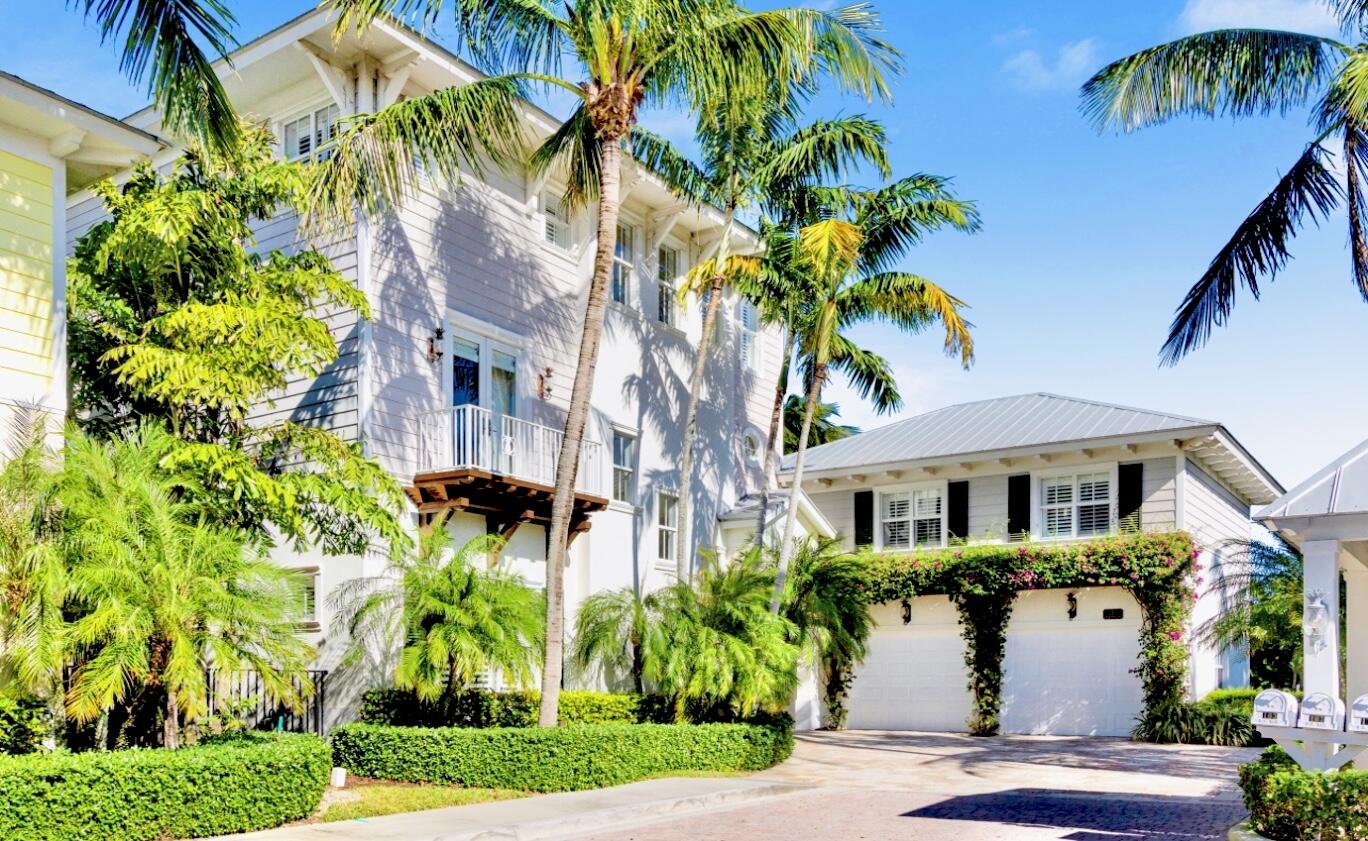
x,y
1175,635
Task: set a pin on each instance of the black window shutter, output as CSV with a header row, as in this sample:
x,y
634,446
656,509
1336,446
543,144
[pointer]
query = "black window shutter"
x,y
864,518
1018,506
1130,495
957,510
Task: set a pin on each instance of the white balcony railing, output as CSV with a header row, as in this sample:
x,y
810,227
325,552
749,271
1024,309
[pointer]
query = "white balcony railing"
x,y
471,437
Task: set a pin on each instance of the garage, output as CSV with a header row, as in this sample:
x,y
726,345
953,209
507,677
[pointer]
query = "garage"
x,y
1061,675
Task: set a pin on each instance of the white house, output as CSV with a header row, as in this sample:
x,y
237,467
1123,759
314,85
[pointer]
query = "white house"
x,y
1034,467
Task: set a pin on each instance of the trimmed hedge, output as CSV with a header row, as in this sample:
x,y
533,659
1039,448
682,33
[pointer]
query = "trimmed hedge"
x,y
1288,804
23,724
231,785
559,758
478,708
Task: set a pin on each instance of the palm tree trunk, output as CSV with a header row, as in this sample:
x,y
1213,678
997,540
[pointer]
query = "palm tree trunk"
x,y
567,463
171,725
771,454
791,520
683,559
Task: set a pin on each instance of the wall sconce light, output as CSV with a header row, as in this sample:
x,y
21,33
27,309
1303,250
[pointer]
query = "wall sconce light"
x,y
906,612
1073,606
544,384
1316,619
435,351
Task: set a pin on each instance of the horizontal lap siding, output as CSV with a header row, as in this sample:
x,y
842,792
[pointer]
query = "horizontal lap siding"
x,y
26,277
988,508
1158,505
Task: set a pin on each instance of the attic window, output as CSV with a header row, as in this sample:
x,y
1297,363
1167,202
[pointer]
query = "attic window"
x,y
557,221
312,136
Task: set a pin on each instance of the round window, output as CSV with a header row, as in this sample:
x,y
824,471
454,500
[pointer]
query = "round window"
x,y
751,445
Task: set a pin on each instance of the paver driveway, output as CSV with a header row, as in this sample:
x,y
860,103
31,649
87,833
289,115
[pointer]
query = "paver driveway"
x,y
944,787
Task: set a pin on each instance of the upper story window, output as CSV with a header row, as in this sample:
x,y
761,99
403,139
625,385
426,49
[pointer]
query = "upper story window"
x,y
667,512
312,136
557,221
666,273
750,447
623,253
307,596
912,519
624,467
750,335
1076,506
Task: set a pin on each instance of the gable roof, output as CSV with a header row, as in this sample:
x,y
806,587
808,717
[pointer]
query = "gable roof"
x,y
1340,487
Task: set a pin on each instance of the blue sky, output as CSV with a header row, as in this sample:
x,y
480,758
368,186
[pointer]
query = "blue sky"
x,y
1089,241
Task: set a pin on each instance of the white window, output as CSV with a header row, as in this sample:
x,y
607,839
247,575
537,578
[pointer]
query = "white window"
x,y
667,512
750,446
624,467
1076,505
623,252
312,136
750,335
557,221
308,596
911,519
666,273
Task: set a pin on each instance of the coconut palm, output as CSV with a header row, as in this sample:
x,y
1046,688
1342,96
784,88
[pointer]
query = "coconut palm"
x,y
850,253
822,430
159,595
629,54
616,631
452,616
1244,73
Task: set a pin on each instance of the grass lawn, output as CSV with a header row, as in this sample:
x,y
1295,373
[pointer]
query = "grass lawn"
x,y
378,798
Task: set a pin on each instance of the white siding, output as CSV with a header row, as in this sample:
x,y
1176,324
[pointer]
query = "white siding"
x,y
1214,516
1157,484
988,508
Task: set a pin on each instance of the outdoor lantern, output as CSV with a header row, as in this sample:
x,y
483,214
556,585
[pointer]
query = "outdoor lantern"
x,y
1358,715
906,612
1321,712
1316,619
1275,708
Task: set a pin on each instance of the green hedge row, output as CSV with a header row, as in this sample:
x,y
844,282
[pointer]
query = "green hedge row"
x,y
478,708
556,759
23,724
1288,804
234,785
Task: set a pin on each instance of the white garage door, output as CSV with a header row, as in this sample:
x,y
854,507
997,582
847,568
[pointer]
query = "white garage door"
x,y
1072,677
913,677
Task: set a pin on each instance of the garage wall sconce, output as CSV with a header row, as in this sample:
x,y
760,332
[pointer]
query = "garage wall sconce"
x,y
906,612
435,345
1073,606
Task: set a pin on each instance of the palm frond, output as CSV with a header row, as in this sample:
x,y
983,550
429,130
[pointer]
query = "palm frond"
x,y
684,178
900,215
574,149
823,151
1236,72
867,372
1258,248
911,302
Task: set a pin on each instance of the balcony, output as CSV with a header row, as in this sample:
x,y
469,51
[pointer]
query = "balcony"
x,y
471,459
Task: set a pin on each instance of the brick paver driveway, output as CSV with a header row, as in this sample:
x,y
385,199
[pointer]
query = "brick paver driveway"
x,y
943,787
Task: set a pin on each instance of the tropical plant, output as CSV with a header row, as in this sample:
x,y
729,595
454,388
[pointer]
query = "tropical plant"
x,y
617,631
826,600
451,617
850,250
160,593
631,54
1261,587
175,318
822,430
1245,73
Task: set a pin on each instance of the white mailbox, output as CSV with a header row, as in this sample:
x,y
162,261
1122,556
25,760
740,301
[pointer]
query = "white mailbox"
x,y
1275,708
1358,715
1321,712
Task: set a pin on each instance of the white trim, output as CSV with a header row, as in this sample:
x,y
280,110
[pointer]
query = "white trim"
x,y
490,338
1037,476
665,564
1180,492
941,485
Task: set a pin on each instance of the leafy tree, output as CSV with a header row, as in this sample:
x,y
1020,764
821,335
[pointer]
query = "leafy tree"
x,y
452,618
161,593
176,318
628,54
822,430
1246,73
1261,585
617,631
850,251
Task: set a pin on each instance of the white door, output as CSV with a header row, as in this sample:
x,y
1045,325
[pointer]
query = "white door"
x,y
913,677
1072,677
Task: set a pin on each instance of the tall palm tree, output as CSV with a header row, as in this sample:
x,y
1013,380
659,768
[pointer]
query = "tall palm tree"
x,y
629,54
1244,73
753,155
823,429
850,253
160,595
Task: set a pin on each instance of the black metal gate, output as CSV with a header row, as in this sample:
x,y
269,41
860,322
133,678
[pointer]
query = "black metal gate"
x,y
242,695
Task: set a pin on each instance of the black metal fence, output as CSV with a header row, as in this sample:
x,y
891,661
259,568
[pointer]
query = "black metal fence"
x,y
241,696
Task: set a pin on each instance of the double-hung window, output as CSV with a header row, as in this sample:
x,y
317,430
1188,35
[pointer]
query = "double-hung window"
x,y
307,596
312,136
623,253
624,467
1077,505
667,513
666,273
912,519
557,221
750,336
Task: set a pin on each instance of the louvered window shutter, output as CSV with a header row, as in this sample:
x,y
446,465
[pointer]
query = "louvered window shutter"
x,y
1130,496
864,518
1018,506
957,510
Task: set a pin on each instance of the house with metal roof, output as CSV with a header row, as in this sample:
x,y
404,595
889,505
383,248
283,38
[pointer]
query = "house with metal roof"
x,y
1033,467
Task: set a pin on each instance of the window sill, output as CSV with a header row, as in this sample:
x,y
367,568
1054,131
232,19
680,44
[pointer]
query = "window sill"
x,y
623,507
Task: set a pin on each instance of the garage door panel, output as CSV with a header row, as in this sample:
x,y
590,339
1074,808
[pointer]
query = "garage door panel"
x,y
913,677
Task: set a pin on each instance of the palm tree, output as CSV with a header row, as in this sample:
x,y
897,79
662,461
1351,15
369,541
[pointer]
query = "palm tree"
x,y
159,595
753,155
630,54
617,630
826,601
823,430
455,617
1261,588
850,253
1244,73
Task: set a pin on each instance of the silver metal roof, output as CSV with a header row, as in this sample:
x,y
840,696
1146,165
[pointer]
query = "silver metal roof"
x,y
1340,487
1002,423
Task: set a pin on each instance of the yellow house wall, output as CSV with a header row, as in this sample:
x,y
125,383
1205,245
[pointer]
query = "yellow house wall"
x,y
30,356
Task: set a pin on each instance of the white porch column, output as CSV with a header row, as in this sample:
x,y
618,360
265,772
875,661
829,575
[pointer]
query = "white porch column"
x,y
1320,617
1356,635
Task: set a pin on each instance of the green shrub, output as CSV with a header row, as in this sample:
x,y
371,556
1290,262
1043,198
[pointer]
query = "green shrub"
x,y
1200,723
23,724
477,708
232,785
1288,804
559,758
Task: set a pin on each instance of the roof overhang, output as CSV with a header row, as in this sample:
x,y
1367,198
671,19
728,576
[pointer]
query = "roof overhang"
x,y
1330,505
778,505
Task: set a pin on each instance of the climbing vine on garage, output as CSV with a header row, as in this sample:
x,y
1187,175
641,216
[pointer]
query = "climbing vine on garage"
x,y
983,581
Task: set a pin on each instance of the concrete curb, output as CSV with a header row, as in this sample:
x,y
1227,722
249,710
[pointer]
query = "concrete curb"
x,y
1242,832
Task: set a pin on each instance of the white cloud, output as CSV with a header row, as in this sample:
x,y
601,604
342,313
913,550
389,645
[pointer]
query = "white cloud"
x,y
1297,15
1074,62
